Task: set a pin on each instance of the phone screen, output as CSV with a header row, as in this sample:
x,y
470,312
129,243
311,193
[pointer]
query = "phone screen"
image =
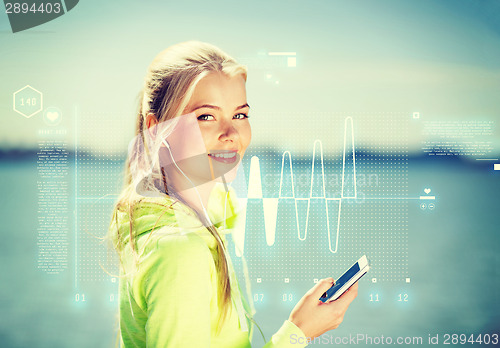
x,y
351,272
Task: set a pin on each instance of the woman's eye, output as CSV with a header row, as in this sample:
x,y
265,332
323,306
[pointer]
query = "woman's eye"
x,y
241,116
205,118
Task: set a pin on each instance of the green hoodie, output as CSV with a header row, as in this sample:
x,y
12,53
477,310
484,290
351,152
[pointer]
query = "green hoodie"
x,y
168,298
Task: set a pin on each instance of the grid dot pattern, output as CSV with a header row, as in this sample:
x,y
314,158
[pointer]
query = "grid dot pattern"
x,y
99,179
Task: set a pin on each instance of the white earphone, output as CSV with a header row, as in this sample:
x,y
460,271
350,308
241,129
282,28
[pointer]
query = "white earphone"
x,y
180,170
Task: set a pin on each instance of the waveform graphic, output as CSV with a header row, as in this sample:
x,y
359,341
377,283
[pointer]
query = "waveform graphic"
x,y
270,205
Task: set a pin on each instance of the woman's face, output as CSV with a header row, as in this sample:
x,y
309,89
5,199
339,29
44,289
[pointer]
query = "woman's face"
x,y
220,108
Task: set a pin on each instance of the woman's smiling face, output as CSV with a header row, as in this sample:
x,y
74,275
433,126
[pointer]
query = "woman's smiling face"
x,y
220,105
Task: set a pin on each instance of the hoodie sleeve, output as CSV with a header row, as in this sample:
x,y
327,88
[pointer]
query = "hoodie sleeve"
x,y
289,335
176,284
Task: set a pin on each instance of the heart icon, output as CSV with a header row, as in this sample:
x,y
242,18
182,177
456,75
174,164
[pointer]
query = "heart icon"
x,y
52,115
427,190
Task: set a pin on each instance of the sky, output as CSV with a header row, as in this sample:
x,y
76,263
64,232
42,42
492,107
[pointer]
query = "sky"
x,y
440,58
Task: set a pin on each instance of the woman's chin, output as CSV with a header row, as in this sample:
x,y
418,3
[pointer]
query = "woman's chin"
x,y
229,174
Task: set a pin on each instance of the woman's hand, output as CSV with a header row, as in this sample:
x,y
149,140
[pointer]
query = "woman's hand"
x,y
314,317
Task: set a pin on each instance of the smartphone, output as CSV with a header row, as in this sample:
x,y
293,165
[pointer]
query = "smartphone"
x,y
351,276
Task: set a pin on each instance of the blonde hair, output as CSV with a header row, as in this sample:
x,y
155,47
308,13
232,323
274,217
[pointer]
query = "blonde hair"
x,y
168,86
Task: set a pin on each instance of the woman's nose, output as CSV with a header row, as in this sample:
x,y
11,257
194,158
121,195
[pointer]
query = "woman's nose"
x,y
228,132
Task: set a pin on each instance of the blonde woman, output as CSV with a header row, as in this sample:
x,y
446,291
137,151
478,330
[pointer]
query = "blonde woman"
x,y
177,285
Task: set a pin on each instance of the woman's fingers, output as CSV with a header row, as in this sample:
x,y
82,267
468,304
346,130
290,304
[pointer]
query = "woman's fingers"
x,y
340,305
314,317
319,289
351,293
347,297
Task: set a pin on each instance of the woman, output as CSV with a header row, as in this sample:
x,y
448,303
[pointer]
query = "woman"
x,y
177,284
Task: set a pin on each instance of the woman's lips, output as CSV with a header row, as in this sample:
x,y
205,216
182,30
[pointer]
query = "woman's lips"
x,y
224,157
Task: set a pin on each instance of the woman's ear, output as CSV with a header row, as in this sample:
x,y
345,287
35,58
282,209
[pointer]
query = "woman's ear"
x,y
151,123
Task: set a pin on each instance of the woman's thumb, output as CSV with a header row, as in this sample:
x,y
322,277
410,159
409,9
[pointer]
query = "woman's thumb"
x,y
323,285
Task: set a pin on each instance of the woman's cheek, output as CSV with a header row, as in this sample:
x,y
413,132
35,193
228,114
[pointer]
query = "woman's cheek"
x,y
208,139
248,135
